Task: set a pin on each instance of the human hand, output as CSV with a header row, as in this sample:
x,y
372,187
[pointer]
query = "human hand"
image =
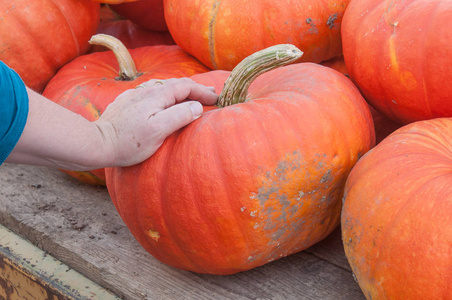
x,y
135,125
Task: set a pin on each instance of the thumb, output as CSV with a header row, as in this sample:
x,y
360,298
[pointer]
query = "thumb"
x,y
177,116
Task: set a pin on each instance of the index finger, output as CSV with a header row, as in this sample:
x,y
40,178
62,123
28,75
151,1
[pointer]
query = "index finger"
x,y
182,89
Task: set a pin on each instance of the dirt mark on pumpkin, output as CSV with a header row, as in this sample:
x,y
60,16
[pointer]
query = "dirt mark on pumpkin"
x,y
330,21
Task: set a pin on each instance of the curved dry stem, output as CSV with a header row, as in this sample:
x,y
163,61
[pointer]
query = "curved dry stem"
x,y
127,68
236,86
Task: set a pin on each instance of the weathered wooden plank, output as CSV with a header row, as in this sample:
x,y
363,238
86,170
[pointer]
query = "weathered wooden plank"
x,y
79,225
27,272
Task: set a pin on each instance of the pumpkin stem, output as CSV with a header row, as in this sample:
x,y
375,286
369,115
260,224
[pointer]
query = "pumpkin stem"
x,y
236,86
127,69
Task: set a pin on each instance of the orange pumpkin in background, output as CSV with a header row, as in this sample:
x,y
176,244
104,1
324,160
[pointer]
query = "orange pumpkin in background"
x,y
222,33
397,214
148,14
51,33
399,55
92,81
132,35
256,178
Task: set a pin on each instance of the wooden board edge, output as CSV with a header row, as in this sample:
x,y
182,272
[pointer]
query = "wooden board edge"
x,y
28,272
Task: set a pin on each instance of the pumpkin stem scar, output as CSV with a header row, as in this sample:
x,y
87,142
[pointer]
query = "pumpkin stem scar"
x,y
236,86
213,19
127,68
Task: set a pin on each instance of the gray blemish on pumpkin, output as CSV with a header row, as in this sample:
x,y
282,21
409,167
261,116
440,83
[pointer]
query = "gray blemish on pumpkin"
x,y
278,234
313,29
280,206
300,195
264,194
293,210
312,192
285,205
271,190
326,177
331,19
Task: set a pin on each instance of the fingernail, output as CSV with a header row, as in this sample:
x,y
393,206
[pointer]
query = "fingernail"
x,y
196,108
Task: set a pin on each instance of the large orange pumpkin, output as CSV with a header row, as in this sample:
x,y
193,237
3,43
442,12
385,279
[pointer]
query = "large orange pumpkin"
x,y
397,214
222,33
92,81
254,181
398,53
39,37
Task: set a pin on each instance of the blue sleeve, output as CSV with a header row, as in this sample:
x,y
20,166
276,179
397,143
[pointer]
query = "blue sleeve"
x,y
13,109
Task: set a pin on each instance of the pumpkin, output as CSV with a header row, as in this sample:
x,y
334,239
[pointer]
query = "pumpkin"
x,y
132,35
92,81
398,54
396,217
256,178
107,15
148,14
39,37
221,34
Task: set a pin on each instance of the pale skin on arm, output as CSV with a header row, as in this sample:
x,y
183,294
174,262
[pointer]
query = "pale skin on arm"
x,y
130,130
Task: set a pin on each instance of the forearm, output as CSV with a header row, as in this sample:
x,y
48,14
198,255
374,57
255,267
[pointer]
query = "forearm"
x,y
56,137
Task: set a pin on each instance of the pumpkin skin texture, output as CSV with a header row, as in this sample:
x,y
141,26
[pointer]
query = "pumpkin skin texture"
x,y
39,37
249,183
89,83
148,14
132,35
398,54
107,15
397,211
383,125
222,33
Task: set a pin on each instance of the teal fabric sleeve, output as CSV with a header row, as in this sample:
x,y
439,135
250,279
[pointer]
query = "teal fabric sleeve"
x,y
13,109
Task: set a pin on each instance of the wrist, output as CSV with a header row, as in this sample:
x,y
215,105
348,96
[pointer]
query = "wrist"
x,y
105,152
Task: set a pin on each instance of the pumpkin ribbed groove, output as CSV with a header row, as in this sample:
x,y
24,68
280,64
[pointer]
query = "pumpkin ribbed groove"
x,y
212,25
